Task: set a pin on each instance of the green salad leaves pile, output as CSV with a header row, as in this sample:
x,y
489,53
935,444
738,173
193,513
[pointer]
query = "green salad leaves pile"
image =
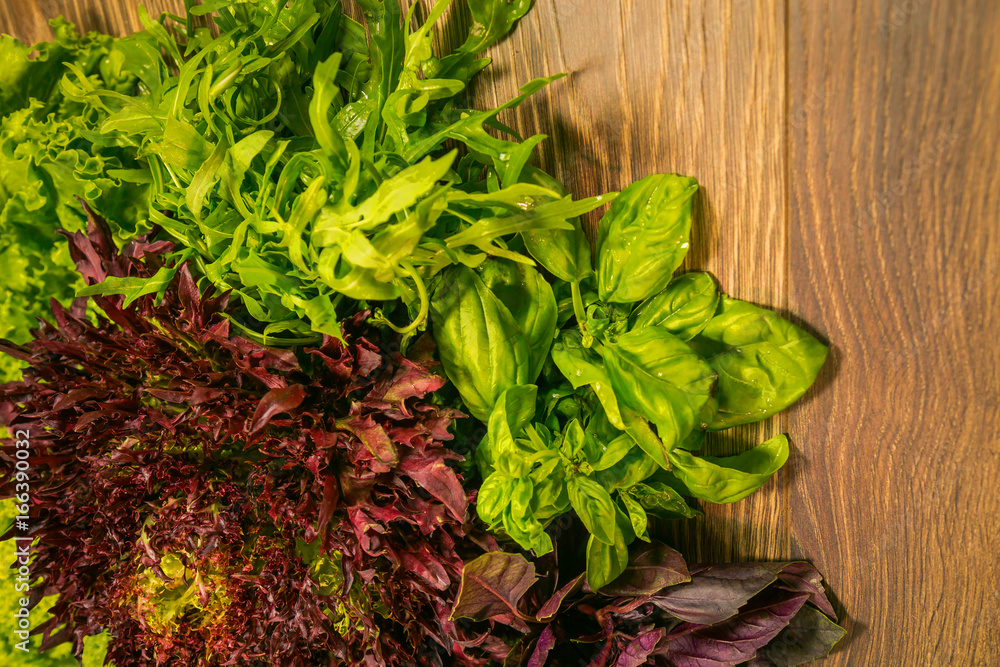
x,y
304,167
51,157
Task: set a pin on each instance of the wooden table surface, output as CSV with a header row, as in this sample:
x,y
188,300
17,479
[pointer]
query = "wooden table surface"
x,y
849,158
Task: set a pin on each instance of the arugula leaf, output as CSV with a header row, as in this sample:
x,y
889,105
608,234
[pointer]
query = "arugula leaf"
x,y
132,288
492,20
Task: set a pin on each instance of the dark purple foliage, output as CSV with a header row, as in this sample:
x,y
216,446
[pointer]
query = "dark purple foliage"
x,y
656,613
209,500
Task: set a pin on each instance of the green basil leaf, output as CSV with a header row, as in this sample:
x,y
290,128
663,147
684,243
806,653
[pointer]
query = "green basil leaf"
x,y
598,426
732,478
638,429
565,253
606,562
582,366
528,296
643,237
494,496
662,500
694,441
523,527
683,308
615,451
636,514
764,362
513,411
594,506
518,520
551,495
481,347
573,443
634,467
660,377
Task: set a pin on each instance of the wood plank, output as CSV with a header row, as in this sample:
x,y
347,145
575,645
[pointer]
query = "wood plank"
x,y
895,257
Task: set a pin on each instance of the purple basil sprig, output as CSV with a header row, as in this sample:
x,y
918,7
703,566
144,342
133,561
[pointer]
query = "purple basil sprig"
x,y
658,612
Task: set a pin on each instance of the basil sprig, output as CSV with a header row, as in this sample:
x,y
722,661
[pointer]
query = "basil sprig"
x,y
644,365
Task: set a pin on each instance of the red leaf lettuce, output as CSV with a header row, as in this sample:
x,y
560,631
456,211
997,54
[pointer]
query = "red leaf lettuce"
x,y
209,500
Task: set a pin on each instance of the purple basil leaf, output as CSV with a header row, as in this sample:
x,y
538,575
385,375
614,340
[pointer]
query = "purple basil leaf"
x,y
546,642
637,651
736,639
717,592
516,653
651,568
602,658
551,606
809,636
802,577
493,585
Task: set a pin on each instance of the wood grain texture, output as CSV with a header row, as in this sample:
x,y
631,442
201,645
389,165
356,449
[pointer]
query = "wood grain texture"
x,y
847,152
28,19
894,239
